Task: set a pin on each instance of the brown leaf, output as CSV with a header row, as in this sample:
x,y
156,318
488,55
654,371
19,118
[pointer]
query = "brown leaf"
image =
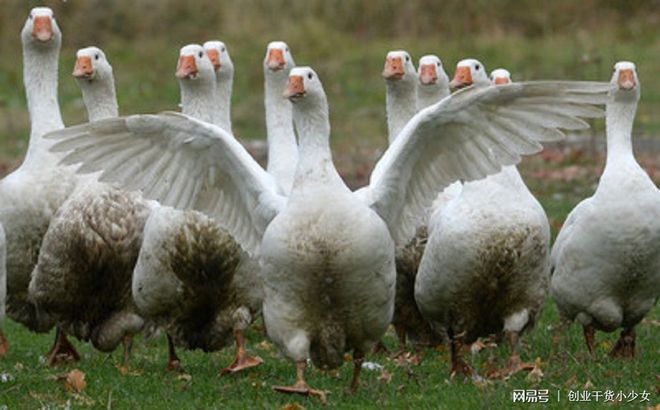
x,y
571,382
536,375
588,385
265,345
184,377
293,406
385,376
75,381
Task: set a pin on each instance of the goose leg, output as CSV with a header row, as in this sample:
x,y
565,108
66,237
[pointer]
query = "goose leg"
x,y
590,339
625,346
458,364
358,359
301,387
173,363
62,351
4,344
515,363
127,342
243,359
379,348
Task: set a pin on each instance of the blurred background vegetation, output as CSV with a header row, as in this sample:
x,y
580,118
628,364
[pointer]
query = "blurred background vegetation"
x,y
345,41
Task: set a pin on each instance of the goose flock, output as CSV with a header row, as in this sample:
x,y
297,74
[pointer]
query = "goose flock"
x,y
165,220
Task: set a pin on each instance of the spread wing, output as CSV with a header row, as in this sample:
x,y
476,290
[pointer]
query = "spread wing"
x,y
181,162
469,135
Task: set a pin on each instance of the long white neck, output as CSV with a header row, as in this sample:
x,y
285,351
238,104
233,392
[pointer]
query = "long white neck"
x,y
99,98
430,94
224,83
313,127
619,122
401,102
197,98
282,146
40,79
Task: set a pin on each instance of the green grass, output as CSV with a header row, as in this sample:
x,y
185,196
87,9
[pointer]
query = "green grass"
x,y
565,364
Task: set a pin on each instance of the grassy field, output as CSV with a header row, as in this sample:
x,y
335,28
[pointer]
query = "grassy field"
x,y
346,42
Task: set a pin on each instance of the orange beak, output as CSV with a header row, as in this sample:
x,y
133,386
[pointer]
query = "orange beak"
x,y
275,60
462,78
187,68
295,88
83,68
214,56
627,79
428,74
393,68
501,80
42,28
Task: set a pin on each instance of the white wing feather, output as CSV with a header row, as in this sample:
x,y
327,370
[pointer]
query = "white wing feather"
x,y
181,162
469,135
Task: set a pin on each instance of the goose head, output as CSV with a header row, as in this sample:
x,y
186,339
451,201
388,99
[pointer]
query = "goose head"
x,y
431,73
91,64
219,55
304,85
625,82
399,66
500,77
469,72
41,29
278,57
194,63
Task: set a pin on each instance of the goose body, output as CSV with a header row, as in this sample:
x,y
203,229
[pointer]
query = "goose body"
x,y
30,196
83,275
321,244
485,267
192,277
606,266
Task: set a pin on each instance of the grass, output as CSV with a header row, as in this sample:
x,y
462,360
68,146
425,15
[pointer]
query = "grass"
x,y
565,365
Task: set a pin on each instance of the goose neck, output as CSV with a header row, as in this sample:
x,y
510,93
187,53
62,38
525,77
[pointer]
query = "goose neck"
x,y
313,127
100,98
197,98
401,101
282,146
619,120
224,84
429,95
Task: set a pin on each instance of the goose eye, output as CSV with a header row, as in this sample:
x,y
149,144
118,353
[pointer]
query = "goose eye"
x,y
476,67
201,54
309,75
31,16
223,49
96,57
407,58
438,64
287,49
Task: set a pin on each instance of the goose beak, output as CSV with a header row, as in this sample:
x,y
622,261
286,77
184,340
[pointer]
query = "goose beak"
x,y
462,78
393,68
214,56
295,88
275,60
83,68
501,81
428,75
187,68
42,28
627,79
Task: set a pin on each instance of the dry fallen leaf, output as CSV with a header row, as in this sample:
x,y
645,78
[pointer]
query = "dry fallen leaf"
x,y
588,385
407,358
185,377
264,345
571,382
385,376
75,381
293,406
536,375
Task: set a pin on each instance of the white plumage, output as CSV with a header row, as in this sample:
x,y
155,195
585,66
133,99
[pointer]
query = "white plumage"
x,y
605,261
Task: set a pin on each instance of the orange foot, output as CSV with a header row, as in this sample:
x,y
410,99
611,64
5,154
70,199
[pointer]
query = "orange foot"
x,y
4,345
63,352
625,346
515,365
241,363
303,389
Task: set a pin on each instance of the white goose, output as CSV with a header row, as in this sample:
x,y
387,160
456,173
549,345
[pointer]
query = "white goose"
x,y
31,195
4,343
328,253
605,261
191,277
485,267
282,146
433,83
224,80
401,91
84,270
